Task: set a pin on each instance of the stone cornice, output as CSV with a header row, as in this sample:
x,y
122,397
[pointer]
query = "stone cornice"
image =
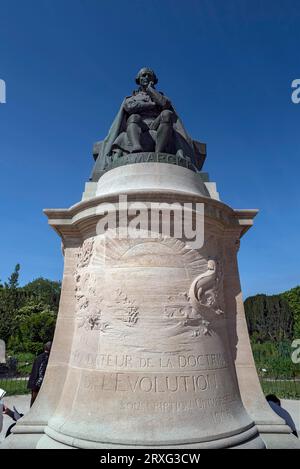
x,y
83,216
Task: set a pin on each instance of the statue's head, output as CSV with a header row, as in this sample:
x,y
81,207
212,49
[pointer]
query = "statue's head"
x,y
144,77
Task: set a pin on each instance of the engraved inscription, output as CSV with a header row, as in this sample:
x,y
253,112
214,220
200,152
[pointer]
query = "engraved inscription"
x,y
179,406
212,361
122,382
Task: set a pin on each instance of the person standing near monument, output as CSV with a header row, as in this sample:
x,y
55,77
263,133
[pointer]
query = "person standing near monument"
x,y
38,372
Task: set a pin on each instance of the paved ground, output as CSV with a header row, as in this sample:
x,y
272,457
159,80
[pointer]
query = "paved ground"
x,y
22,405
293,408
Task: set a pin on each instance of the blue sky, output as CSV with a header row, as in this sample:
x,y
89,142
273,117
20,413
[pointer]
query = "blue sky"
x,y
227,67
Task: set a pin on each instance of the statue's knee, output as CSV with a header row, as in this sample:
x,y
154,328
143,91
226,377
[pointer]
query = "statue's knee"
x,y
166,116
134,119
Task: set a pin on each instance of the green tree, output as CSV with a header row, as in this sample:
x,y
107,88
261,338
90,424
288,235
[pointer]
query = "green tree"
x,y
273,322
293,298
43,290
13,280
269,318
32,304
11,298
35,326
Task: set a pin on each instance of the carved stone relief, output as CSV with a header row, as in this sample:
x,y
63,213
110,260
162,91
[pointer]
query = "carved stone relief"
x,y
126,310
115,301
92,308
205,296
207,289
85,253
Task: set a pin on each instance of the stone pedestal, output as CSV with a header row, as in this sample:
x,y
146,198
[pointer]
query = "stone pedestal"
x,y
151,348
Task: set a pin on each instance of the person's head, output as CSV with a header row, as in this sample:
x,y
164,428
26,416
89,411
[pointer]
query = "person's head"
x,y
144,77
47,347
273,398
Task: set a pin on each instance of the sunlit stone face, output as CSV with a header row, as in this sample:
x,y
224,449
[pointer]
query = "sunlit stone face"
x,y
150,343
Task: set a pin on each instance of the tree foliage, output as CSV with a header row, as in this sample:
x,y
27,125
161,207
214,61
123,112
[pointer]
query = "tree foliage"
x,y
269,318
35,326
13,281
28,314
45,291
273,323
293,298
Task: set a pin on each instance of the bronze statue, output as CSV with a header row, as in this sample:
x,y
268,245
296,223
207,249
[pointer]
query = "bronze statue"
x,y
147,122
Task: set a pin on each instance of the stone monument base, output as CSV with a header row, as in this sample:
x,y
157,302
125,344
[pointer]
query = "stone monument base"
x,y
151,348
245,440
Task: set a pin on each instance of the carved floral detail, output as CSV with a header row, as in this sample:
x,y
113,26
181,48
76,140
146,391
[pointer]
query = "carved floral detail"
x,y
82,302
126,310
85,253
93,322
89,313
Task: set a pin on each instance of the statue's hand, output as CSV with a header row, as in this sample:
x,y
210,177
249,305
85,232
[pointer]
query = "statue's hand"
x,y
154,124
150,89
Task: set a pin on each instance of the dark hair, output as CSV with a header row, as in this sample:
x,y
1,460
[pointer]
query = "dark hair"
x,y
47,346
273,398
146,69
